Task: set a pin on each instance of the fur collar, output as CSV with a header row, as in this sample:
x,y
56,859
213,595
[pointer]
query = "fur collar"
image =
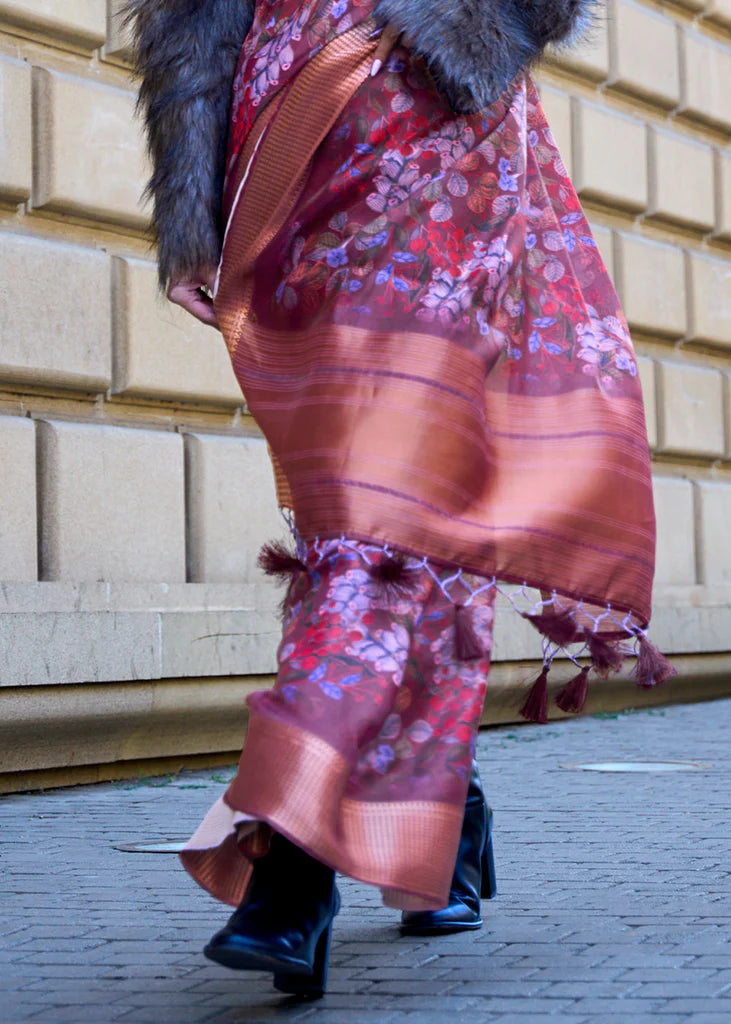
x,y
476,47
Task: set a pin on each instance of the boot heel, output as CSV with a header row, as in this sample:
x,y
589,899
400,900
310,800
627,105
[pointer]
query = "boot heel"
x,y
488,887
311,986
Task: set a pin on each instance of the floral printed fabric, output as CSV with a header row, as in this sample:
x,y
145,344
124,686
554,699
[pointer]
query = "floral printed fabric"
x,y
428,337
414,217
376,677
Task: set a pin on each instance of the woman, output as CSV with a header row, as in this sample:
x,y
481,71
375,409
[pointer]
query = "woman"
x,y
423,328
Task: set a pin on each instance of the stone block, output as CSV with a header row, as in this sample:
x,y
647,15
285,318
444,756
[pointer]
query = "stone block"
x,y
119,40
111,503
710,299
56,648
604,238
719,12
55,314
646,370
18,542
221,643
73,632
610,156
723,195
16,160
706,83
557,107
714,536
691,409
634,32
651,283
232,507
91,158
590,57
81,21
675,531
161,351
681,180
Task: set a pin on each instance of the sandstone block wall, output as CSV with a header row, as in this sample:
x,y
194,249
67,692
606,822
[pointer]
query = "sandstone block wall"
x,y
136,489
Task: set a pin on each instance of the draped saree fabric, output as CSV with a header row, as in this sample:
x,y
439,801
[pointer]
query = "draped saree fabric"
x,y
422,324
423,328
361,752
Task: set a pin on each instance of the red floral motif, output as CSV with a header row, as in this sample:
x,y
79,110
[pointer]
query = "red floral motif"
x,y
405,706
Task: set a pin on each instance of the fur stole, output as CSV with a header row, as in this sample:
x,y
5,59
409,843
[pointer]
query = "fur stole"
x,y
186,55
475,48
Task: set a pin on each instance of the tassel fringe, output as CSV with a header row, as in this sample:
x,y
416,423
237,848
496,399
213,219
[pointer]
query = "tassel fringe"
x,y
467,644
535,708
276,560
605,656
559,629
572,697
652,667
391,572
393,576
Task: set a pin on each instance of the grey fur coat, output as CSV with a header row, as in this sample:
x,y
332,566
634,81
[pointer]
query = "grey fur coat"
x,y
186,53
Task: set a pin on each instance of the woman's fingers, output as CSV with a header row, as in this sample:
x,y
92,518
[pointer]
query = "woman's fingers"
x,y
188,293
388,39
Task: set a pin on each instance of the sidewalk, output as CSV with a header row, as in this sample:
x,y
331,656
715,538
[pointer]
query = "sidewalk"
x,y
614,906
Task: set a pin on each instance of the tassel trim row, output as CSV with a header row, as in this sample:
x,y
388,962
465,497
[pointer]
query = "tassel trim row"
x,y
395,576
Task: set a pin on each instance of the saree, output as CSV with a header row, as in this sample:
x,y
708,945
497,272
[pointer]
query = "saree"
x,y
422,324
423,329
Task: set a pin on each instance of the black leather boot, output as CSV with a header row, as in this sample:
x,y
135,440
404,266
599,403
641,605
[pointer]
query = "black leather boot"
x,y
284,923
474,873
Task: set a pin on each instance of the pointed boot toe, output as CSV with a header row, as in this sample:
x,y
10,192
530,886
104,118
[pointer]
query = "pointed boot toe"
x,y
455,917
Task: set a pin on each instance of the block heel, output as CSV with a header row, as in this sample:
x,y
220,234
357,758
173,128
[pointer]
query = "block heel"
x,y
488,881
310,986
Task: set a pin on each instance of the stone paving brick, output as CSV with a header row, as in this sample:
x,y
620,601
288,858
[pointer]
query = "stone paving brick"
x,y
693,1006
614,899
615,1017
709,1018
676,989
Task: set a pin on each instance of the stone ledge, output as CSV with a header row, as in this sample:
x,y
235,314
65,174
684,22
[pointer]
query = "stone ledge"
x,y
62,736
61,634
81,22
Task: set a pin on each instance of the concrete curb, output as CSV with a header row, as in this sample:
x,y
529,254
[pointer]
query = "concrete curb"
x,y
78,734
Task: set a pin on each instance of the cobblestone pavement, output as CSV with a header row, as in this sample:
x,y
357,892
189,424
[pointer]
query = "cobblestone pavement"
x,y
614,898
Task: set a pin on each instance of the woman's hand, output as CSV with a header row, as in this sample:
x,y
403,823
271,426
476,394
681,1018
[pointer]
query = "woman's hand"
x,y
389,37
188,292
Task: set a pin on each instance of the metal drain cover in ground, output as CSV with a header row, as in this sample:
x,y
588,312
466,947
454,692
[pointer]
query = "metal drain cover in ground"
x,y
172,847
638,766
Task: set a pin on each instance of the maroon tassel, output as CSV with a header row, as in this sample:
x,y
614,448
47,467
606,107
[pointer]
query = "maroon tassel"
x,y
572,697
559,629
535,707
605,656
393,575
652,667
467,644
276,560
